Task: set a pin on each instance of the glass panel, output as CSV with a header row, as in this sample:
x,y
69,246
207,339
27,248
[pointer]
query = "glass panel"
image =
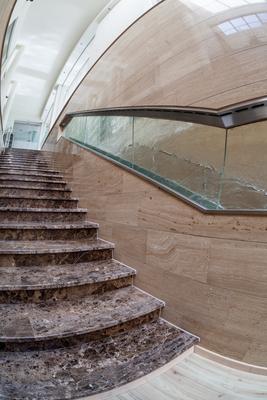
x,y
191,156
113,135
188,158
245,180
211,167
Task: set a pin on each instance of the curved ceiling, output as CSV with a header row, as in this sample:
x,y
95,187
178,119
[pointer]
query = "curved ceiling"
x,y
46,33
202,53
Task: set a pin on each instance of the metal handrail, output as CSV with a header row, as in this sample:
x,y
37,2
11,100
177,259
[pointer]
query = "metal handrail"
x,y
226,117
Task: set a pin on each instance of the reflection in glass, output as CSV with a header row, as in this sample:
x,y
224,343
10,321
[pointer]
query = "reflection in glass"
x,y
245,181
188,158
211,167
190,155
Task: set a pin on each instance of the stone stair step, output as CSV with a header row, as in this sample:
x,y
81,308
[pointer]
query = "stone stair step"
x,y
25,202
48,231
39,284
19,214
93,367
47,170
42,192
44,252
15,150
27,182
26,164
91,317
26,171
27,157
31,165
19,175
72,323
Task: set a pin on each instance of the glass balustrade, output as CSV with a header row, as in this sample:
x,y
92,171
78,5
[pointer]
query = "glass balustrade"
x,y
213,168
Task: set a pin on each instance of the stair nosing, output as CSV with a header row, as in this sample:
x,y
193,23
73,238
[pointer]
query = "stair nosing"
x,y
129,272
44,210
35,188
34,180
26,169
37,198
48,225
31,174
97,244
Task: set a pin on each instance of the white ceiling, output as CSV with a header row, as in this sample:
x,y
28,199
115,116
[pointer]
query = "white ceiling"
x,y
48,33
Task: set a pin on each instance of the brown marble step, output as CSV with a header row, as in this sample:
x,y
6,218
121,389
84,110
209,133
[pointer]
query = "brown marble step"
x,y
17,190
19,214
28,182
26,171
25,164
37,202
48,231
57,252
27,151
19,175
38,284
31,325
93,367
31,165
40,155
21,157
18,157
28,157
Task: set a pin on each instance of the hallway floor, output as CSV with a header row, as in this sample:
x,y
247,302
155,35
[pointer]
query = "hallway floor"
x,y
193,377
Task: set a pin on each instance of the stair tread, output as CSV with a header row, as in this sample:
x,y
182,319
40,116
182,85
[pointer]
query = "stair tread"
x,y
57,276
44,210
100,365
48,246
10,196
27,169
25,179
11,173
65,318
48,225
65,295
34,188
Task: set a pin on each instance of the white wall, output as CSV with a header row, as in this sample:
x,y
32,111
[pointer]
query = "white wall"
x,y
46,31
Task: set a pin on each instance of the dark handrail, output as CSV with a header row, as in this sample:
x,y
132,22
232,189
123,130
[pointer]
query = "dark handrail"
x,y
227,117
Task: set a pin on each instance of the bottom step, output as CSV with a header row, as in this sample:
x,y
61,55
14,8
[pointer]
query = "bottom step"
x,y
92,367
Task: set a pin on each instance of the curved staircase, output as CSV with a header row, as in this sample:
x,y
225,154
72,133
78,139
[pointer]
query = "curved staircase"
x,y
72,322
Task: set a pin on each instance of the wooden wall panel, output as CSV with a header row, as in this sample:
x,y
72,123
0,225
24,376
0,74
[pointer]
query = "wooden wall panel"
x,y
210,270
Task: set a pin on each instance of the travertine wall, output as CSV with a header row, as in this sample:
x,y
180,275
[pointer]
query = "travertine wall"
x,y
210,270
177,55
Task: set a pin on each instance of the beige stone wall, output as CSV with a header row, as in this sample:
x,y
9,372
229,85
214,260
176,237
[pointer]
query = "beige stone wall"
x,y
210,270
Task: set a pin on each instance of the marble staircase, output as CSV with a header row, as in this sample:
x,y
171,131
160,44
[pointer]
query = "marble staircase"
x,y
72,322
